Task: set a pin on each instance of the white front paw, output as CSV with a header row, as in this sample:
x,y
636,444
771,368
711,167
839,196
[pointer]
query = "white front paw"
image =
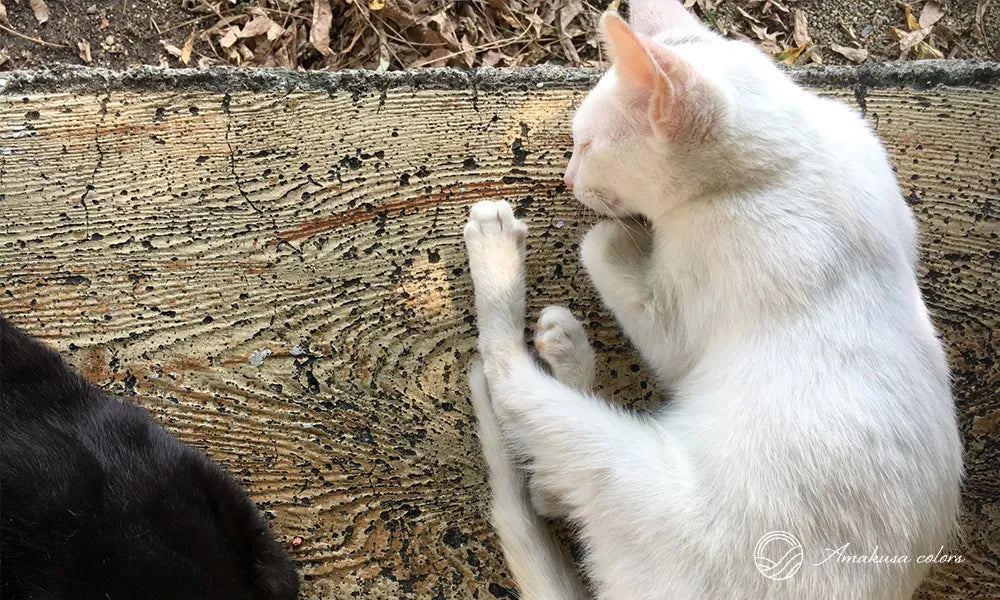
x,y
562,343
495,241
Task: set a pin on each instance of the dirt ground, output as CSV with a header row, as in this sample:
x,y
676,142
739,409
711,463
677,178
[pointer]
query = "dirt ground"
x,y
394,34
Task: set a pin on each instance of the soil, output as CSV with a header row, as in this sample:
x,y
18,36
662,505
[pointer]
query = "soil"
x,y
121,33
124,33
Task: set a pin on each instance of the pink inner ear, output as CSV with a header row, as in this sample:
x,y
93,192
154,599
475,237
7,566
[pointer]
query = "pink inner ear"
x,y
671,93
650,17
639,61
633,63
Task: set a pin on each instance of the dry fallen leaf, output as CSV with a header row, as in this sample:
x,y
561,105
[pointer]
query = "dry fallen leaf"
x,y
222,24
319,34
567,13
468,51
747,15
84,47
492,58
911,22
286,51
246,54
275,31
3,14
849,30
188,48
925,50
383,51
857,55
763,34
230,36
171,49
445,29
812,55
376,5
911,39
978,31
769,4
437,58
40,9
800,30
788,56
931,13
261,25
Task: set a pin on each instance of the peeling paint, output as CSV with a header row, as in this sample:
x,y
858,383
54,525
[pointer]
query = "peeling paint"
x,y
257,357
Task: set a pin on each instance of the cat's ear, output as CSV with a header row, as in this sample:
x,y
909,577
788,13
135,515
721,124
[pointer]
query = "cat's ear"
x,y
679,102
633,64
650,17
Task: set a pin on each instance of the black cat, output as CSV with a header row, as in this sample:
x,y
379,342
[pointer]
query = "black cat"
x,y
97,500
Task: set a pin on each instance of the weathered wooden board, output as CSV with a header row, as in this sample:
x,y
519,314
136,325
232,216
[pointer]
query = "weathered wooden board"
x,y
160,238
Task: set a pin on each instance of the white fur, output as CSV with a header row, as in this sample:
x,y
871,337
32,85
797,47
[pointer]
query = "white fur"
x,y
773,293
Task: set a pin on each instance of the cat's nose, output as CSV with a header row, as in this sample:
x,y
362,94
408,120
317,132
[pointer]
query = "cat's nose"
x,y
568,180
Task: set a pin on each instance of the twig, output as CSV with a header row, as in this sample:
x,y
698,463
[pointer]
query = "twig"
x,y
287,13
184,24
375,29
489,46
31,39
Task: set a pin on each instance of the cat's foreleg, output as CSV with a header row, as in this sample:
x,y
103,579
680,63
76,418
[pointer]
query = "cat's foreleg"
x,y
575,441
496,245
562,343
495,241
619,260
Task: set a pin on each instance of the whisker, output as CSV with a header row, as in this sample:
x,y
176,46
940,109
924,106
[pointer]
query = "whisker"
x,y
612,214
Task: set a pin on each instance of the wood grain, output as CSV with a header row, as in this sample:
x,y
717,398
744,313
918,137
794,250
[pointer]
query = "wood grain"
x,y
159,239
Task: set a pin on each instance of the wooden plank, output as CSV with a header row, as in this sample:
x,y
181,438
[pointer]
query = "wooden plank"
x,y
161,238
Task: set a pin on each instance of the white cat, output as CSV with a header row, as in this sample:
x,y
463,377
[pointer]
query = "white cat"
x,y
773,293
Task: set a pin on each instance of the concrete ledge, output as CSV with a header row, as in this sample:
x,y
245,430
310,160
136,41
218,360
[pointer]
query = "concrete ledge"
x,y
920,75
162,227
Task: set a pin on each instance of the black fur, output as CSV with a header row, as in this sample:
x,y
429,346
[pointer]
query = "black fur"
x,y
98,501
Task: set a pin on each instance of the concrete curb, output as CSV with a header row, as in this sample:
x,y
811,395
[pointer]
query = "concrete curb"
x,y
915,75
